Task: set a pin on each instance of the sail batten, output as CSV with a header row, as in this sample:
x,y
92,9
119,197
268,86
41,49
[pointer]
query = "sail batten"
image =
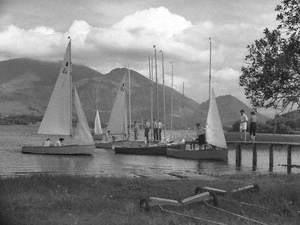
x,y
214,130
57,117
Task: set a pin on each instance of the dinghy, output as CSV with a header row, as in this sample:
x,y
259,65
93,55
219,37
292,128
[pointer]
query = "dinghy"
x,y
57,119
216,147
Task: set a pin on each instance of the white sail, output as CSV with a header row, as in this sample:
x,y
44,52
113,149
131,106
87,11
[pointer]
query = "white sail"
x,y
97,125
57,119
118,120
214,130
82,131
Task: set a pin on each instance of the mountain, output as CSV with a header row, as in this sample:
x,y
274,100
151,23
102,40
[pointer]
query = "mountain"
x,y
26,85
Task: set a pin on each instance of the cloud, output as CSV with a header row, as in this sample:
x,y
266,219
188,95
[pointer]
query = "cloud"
x,y
227,74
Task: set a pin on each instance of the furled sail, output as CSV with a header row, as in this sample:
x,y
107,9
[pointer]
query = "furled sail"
x,y
214,130
118,120
97,125
57,119
82,131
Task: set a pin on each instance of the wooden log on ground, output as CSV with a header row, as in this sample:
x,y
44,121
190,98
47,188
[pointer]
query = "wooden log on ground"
x,y
205,196
251,187
254,157
271,158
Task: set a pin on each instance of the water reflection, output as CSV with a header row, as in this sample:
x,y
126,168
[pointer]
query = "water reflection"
x,y
106,163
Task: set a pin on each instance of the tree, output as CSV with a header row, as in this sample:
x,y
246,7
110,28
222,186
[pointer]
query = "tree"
x,y
271,74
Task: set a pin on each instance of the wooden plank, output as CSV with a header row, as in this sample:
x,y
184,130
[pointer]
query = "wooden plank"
x,y
271,158
244,188
205,196
263,143
153,201
215,190
289,159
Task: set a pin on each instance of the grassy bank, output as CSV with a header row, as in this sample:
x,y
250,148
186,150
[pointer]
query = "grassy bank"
x,y
61,200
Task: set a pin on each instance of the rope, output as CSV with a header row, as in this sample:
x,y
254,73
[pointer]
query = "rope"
x,y
191,217
245,203
235,214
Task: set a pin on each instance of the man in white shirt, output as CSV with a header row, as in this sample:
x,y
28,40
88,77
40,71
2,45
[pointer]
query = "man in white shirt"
x,y
59,142
160,125
47,143
243,124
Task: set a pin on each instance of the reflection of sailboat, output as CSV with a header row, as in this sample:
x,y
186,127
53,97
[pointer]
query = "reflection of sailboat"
x,y
57,119
214,134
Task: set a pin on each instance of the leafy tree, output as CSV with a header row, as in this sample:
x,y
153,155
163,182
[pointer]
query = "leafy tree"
x,y
271,74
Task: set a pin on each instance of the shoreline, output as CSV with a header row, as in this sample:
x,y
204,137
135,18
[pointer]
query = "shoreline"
x,y
63,199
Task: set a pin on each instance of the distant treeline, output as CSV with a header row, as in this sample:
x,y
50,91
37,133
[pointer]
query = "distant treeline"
x,y
19,119
279,125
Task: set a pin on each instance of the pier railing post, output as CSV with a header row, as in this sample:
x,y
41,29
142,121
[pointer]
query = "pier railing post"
x,y
271,162
289,159
254,157
238,156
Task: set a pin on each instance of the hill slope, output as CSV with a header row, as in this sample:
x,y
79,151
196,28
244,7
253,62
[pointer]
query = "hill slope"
x,y
26,85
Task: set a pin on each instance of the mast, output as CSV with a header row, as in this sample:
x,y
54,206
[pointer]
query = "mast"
x,y
171,123
129,101
209,81
71,90
164,90
151,93
157,103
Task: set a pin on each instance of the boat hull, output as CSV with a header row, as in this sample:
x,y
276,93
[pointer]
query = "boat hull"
x,y
209,154
158,150
109,145
60,150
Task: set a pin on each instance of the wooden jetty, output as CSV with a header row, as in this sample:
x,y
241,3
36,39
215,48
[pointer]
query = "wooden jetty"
x,y
255,144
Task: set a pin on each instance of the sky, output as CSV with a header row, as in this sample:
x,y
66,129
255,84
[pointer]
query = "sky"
x,y
112,33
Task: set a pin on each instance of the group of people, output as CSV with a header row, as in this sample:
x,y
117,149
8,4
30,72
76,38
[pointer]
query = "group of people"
x,y
244,125
48,142
157,129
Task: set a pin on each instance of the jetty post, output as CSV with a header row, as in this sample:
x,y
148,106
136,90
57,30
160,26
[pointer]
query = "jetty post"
x,y
289,159
254,157
271,158
238,156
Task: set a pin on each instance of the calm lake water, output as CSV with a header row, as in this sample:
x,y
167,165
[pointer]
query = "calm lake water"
x,y
106,163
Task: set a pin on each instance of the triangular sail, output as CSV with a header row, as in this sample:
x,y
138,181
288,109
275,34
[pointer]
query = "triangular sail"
x,y
97,125
82,131
214,130
57,119
118,120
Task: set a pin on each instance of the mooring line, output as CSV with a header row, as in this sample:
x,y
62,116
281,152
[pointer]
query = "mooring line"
x,y
191,217
235,214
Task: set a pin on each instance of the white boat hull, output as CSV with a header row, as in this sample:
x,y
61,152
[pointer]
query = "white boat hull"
x,y
60,150
209,154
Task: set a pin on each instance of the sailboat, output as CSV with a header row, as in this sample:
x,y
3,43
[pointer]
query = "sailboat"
x,y
118,121
215,147
98,132
57,119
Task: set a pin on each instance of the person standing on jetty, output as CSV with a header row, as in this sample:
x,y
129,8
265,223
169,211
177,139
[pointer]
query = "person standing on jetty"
x,y
155,130
200,132
253,125
135,130
147,128
243,125
160,125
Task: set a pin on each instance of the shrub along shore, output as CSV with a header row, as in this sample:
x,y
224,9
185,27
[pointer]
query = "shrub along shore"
x,y
61,199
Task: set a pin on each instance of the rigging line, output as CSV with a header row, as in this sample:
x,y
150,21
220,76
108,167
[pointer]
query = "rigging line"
x,y
235,214
245,203
191,217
